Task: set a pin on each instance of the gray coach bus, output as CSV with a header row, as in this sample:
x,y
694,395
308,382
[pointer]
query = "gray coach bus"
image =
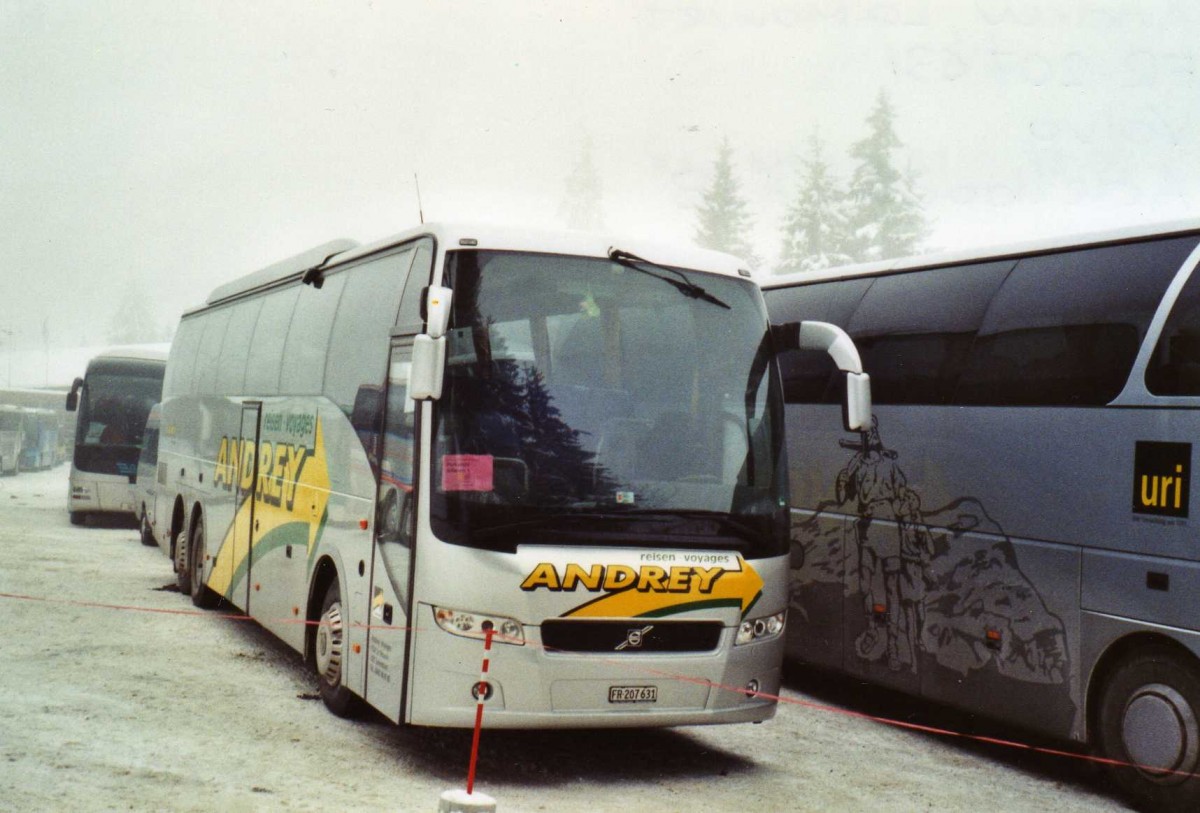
x,y
1014,535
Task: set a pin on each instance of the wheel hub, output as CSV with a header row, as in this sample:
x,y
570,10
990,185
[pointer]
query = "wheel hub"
x,y
329,645
1161,733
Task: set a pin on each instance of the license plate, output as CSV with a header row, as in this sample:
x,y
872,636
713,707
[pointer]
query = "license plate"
x,y
632,694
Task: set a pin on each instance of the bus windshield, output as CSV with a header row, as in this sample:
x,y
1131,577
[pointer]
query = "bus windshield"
x,y
112,416
586,402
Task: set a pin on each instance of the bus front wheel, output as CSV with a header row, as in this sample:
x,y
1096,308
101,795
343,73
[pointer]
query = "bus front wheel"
x,y
329,651
1149,721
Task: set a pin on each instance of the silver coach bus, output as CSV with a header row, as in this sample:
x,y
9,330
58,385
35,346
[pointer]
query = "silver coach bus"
x,y
1014,535
386,454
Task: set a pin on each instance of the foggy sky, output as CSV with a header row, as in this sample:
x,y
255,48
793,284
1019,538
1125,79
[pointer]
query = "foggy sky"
x,y
173,146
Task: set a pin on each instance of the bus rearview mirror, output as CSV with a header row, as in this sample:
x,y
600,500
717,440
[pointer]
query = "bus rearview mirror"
x,y
73,396
858,402
437,310
428,364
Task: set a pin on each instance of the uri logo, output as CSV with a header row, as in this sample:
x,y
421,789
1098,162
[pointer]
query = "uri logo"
x,y
1162,476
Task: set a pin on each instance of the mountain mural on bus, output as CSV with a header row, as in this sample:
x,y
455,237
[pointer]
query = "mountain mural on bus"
x,y
943,583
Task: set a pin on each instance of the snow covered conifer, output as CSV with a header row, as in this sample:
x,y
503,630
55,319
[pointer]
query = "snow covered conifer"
x,y
885,213
724,222
816,232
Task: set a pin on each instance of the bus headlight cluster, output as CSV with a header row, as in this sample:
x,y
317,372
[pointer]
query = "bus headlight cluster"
x,y
476,625
760,629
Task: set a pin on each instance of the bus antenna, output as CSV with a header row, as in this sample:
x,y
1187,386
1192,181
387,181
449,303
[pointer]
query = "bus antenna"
x,y
420,211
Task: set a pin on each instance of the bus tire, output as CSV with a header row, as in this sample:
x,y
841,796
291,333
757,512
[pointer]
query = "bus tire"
x,y
78,518
147,534
329,649
182,561
202,596
1149,716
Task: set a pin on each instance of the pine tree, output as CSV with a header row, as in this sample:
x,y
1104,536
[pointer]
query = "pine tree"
x,y
885,214
723,220
816,232
581,207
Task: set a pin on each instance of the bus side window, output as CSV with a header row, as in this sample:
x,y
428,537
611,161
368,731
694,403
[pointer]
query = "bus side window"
x,y
235,350
1064,329
208,357
914,330
358,344
179,380
270,331
307,347
418,278
1174,369
395,506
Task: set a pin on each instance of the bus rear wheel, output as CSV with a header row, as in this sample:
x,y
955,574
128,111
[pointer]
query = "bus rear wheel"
x,y
182,562
202,596
1149,719
329,649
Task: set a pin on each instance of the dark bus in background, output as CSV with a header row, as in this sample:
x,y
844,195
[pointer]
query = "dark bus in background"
x,y
1015,534
113,400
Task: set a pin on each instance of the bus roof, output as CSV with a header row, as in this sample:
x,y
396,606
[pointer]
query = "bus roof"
x,y
135,352
1001,252
481,236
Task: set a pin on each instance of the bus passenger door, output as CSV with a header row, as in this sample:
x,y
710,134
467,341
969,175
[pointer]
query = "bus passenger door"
x,y
232,568
391,566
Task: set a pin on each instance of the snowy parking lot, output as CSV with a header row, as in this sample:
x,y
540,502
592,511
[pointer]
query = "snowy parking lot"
x,y
118,695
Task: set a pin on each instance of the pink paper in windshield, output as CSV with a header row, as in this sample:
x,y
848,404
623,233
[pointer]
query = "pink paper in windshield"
x,y
467,472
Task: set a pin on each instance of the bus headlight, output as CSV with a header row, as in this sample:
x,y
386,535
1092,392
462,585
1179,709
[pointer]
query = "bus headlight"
x,y
476,625
760,629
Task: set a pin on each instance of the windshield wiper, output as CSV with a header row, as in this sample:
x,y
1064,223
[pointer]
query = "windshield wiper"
x,y
684,285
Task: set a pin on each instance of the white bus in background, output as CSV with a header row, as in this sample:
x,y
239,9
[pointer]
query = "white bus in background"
x,y
40,447
1016,534
12,438
384,452
113,399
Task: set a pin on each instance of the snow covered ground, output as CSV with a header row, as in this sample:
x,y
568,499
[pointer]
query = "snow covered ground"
x,y
114,695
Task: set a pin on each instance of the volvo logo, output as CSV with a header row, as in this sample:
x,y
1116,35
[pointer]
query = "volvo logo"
x,y
634,638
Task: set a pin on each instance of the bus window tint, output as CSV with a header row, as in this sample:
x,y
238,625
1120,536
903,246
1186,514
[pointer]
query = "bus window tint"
x,y
914,330
262,368
807,375
1064,329
303,368
358,345
1174,368
231,372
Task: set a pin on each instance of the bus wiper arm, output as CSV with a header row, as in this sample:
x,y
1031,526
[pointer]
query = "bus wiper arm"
x,y
684,285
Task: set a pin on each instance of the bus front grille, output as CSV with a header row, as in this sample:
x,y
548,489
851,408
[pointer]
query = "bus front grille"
x,y
631,636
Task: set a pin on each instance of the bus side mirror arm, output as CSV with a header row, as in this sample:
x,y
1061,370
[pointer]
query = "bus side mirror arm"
x,y
838,344
73,395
